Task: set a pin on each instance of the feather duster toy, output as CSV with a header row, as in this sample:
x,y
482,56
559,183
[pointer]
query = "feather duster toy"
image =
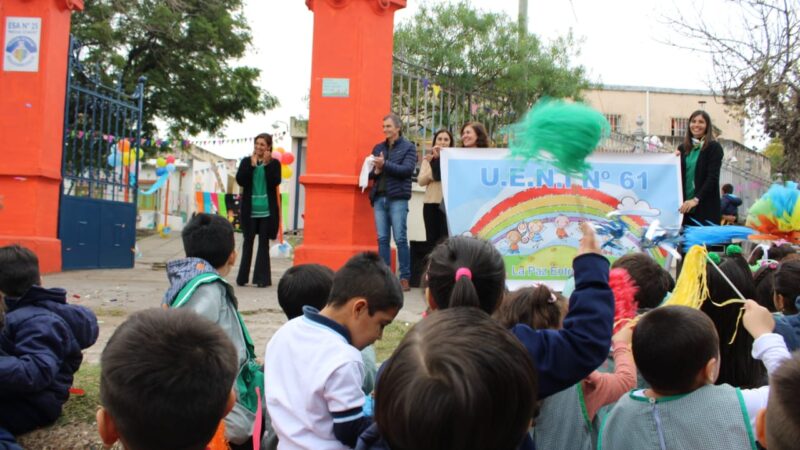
x,y
776,215
560,133
624,289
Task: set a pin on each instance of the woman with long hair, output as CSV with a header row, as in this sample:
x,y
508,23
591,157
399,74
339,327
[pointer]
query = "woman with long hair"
x,y
259,175
474,135
430,176
701,161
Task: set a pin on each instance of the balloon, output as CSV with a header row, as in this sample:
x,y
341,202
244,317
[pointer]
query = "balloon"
x,y
126,158
278,156
161,162
280,150
160,171
124,145
170,159
114,159
288,158
141,153
170,167
286,172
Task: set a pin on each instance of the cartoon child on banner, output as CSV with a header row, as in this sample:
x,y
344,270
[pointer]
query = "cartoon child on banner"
x,y
562,222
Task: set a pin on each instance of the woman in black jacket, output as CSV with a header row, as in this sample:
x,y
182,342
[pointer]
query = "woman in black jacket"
x,y
259,174
701,161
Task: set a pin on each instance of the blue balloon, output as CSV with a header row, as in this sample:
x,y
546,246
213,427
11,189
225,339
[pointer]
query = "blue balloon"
x,y
160,171
170,168
114,159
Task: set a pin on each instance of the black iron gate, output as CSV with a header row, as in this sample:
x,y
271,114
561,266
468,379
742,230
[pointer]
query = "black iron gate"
x,y
100,168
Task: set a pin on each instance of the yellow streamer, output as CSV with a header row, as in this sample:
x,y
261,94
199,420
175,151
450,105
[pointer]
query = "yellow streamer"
x,y
691,289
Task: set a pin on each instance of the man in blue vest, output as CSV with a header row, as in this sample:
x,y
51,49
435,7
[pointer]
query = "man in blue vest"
x,y
395,160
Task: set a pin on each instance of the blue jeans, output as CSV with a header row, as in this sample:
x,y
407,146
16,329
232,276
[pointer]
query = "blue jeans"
x,y
390,217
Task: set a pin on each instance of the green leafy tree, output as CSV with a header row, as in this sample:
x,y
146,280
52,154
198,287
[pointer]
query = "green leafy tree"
x,y
487,53
185,48
755,65
774,151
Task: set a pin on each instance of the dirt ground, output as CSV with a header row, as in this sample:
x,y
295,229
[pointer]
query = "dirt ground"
x,y
115,293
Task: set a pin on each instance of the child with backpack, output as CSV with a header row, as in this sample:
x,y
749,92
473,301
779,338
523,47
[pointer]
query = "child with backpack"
x,y
198,283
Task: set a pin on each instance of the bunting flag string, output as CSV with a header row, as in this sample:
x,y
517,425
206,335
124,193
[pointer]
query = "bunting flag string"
x,y
155,141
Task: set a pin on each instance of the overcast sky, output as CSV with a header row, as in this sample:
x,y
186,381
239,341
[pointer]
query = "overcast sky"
x,y
621,45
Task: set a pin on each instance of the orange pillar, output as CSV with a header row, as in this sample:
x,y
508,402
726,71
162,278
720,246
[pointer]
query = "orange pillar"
x,y
351,77
32,89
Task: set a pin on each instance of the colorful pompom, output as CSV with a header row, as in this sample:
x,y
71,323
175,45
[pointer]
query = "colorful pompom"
x,y
624,289
561,133
776,215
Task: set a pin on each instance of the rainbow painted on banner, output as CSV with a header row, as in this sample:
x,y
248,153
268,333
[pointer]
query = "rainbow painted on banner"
x,y
536,230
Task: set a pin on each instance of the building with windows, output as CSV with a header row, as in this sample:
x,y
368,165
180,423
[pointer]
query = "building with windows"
x,y
656,119
665,112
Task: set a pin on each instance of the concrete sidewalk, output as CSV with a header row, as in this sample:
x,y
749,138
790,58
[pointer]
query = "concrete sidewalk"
x,y
115,293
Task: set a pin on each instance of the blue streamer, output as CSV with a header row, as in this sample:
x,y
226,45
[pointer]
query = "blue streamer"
x,y
208,206
712,235
157,185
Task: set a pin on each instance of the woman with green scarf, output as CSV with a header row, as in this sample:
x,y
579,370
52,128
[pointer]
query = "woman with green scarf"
x,y
701,161
259,175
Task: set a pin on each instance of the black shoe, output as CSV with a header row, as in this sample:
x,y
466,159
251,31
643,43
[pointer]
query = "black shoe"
x,y
263,285
241,284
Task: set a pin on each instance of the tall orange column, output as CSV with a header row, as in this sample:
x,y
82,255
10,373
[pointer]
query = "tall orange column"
x,y
33,71
351,77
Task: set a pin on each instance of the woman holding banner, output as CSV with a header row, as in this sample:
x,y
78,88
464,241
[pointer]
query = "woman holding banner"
x,y
474,135
259,174
701,161
430,176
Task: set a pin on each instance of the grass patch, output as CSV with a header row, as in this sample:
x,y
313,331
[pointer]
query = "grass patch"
x,y
83,409
392,335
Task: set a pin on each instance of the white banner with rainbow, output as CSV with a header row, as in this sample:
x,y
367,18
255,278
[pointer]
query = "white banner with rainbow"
x,y
531,212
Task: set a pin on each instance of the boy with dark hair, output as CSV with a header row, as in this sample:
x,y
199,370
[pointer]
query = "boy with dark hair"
x,y
304,284
310,285
729,205
314,370
676,349
166,381
653,281
778,425
197,282
41,344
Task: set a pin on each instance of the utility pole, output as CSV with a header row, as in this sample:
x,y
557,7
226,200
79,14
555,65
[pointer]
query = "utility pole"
x,y
523,16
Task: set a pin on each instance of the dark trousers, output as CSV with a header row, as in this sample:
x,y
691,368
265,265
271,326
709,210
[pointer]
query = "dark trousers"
x,y
262,274
435,222
19,416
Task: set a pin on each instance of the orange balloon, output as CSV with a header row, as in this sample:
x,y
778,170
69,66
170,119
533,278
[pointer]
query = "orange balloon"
x,y
124,145
280,150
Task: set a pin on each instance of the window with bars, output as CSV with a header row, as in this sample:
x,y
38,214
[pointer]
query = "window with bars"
x,y
615,120
678,126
